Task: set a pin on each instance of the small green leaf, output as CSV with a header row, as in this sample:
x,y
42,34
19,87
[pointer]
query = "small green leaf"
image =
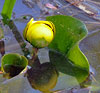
x,y
13,64
7,9
69,32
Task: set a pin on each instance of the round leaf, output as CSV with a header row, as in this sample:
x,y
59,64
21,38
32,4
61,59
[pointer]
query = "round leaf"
x,y
13,64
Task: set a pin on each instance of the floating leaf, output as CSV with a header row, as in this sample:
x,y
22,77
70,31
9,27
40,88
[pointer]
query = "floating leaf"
x,y
66,66
78,58
13,64
69,31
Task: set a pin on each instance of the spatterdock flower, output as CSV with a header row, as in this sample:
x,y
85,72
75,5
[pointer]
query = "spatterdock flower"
x,y
39,33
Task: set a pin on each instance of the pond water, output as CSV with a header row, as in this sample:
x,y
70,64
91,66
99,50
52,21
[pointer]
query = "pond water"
x,y
37,9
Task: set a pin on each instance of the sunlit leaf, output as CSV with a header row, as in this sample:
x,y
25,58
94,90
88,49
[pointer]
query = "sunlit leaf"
x,y
12,64
78,58
66,66
69,31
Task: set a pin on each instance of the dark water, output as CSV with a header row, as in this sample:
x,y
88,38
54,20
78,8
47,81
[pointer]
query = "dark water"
x,y
13,70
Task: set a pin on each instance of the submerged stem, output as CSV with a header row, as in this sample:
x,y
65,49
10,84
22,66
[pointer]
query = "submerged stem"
x,y
2,47
18,37
34,61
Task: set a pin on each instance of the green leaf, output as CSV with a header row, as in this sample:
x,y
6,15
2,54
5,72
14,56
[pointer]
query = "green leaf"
x,y
13,64
69,32
78,58
67,66
7,9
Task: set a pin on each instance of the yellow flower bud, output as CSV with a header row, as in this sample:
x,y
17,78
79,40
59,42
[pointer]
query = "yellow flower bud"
x,y
39,33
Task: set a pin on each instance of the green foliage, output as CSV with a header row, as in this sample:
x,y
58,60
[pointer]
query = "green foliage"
x,y
7,9
69,31
65,55
13,64
67,66
78,58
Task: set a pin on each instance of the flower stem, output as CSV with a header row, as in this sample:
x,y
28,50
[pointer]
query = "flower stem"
x,y
34,61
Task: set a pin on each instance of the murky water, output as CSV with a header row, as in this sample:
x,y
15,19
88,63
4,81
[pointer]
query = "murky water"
x,y
33,8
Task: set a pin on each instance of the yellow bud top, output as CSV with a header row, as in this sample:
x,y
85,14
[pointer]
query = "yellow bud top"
x,y
39,33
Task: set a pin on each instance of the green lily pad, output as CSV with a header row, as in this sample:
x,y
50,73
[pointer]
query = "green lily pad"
x,y
69,32
66,66
12,64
